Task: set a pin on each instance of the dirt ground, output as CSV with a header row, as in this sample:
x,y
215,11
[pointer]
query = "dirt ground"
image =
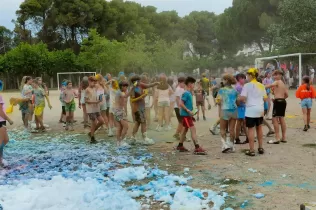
x,y
286,174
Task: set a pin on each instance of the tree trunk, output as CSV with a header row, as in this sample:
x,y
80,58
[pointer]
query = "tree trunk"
x,y
260,45
51,82
18,82
270,45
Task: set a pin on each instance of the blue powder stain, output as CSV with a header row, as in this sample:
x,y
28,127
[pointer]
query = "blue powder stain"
x,y
267,184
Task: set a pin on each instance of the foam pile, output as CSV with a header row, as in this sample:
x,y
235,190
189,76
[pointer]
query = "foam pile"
x,y
66,173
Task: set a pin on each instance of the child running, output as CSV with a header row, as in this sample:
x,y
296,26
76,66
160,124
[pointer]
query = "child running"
x,y
70,105
279,106
186,112
137,98
119,113
4,138
93,108
306,93
40,95
227,97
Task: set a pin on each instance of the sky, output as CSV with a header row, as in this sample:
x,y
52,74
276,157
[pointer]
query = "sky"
x,y
183,7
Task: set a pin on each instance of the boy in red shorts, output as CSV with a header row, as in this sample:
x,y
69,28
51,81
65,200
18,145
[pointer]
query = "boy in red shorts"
x,y
186,108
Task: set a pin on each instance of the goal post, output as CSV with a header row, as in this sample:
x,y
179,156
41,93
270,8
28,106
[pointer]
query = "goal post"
x,y
299,55
73,75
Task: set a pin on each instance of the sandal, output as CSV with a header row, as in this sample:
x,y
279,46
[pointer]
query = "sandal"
x,y
250,153
261,151
273,142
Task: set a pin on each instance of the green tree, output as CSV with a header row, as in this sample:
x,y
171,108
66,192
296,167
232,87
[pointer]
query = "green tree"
x,y
6,39
101,54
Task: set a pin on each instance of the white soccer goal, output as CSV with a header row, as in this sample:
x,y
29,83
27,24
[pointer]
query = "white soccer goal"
x,y
75,77
299,55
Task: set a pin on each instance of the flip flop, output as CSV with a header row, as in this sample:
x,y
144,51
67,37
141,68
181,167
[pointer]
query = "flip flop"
x,y
273,142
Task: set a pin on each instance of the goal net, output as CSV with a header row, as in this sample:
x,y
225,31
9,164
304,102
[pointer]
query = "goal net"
x,y
295,66
74,77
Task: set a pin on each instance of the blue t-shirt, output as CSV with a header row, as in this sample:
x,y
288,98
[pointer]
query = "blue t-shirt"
x,y
187,100
228,97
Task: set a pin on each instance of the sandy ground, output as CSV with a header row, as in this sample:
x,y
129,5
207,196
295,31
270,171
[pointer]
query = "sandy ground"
x,y
286,174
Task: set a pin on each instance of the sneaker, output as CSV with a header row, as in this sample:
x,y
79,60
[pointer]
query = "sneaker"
x,y
231,146
176,136
308,126
204,118
225,147
305,128
168,128
182,149
159,128
199,151
110,134
93,141
213,131
33,130
133,140
148,141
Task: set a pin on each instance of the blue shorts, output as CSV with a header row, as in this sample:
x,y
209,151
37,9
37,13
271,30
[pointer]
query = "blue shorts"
x,y
307,103
266,105
241,112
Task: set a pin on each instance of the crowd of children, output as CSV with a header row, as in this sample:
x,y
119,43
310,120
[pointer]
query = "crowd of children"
x,y
243,101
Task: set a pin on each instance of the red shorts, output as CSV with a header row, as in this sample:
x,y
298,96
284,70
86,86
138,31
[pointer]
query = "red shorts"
x,y
187,122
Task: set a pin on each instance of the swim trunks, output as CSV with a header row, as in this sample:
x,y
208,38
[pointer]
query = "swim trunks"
x,y
279,107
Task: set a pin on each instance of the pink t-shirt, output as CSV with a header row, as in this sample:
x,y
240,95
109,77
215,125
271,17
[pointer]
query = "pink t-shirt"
x,y
3,108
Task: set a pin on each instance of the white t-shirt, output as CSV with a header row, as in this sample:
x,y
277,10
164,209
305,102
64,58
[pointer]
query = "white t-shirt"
x,y
255,92
178,93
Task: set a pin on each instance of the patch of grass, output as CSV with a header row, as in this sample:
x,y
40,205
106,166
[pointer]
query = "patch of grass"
x,y
310,145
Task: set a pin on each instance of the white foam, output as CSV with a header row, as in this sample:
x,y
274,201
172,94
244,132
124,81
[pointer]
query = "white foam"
x,y
66,194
